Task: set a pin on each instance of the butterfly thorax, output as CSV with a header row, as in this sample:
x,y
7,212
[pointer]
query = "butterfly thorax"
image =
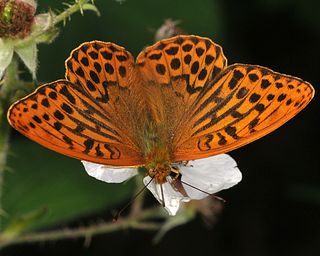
x,y
156,151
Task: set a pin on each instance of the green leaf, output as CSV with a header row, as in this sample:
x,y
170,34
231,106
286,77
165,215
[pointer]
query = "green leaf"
x,y
28,54
49,36
6,53
44,179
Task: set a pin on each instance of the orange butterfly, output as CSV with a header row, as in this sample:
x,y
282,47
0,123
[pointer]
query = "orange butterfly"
x,y
178,101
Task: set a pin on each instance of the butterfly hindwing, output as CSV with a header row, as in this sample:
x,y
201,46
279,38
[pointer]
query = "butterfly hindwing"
x,y
174,72
192,58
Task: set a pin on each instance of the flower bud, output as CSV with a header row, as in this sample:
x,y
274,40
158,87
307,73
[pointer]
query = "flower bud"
x,y
16,18
168,29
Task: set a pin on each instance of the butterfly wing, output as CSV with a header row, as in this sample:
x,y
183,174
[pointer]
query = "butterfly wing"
x,y
94,115
175,72
244,103
210,108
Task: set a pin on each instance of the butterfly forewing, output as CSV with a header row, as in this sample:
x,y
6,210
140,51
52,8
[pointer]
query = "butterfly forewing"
x,y
244,103
94,117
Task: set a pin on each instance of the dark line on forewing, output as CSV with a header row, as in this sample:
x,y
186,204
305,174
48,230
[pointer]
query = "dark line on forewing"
x,y
214,110
46,131
210,99
52,117
219,118
89,118
199,97
213,82
103,125
224,114
83,93
71,130
244,115
83,90
94,121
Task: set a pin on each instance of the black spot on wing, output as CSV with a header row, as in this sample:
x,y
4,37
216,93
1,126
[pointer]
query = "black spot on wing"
x,y
175,64
172,50
161,69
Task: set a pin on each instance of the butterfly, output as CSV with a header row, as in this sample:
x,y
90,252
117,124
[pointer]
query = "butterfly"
x,y
178,101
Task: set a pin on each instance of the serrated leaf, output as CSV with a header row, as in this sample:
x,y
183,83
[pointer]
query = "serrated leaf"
x,y
6,53
28,54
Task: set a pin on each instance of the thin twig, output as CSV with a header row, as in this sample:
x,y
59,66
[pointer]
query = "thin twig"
x,y
139,222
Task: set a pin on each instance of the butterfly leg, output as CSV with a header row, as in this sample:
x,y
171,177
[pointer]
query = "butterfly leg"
x,y
162,196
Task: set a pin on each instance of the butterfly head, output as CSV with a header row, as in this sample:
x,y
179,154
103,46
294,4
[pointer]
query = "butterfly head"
x,y
159,173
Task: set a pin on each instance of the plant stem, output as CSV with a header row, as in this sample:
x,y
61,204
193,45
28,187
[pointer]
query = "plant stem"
x,y
69,11
138,222
9,82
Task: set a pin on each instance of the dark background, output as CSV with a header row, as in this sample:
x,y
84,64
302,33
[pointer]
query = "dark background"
x,y
275,210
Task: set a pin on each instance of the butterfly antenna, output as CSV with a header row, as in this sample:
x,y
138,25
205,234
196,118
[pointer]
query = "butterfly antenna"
x,y
117,215
214,196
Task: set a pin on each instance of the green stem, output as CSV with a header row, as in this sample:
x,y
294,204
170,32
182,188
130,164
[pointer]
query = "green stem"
x,y
9,82
69,11
138,222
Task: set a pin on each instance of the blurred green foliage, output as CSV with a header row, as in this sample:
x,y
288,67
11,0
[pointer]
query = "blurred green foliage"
x,y
41,179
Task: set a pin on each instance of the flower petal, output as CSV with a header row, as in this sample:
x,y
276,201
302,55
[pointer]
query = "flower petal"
x,y
172,198
210,174
6,53
107,173
29,55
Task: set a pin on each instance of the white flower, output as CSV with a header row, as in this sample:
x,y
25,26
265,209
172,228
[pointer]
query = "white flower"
x,y
210,175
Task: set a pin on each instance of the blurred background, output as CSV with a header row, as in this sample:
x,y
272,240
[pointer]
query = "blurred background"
x,y
275,210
